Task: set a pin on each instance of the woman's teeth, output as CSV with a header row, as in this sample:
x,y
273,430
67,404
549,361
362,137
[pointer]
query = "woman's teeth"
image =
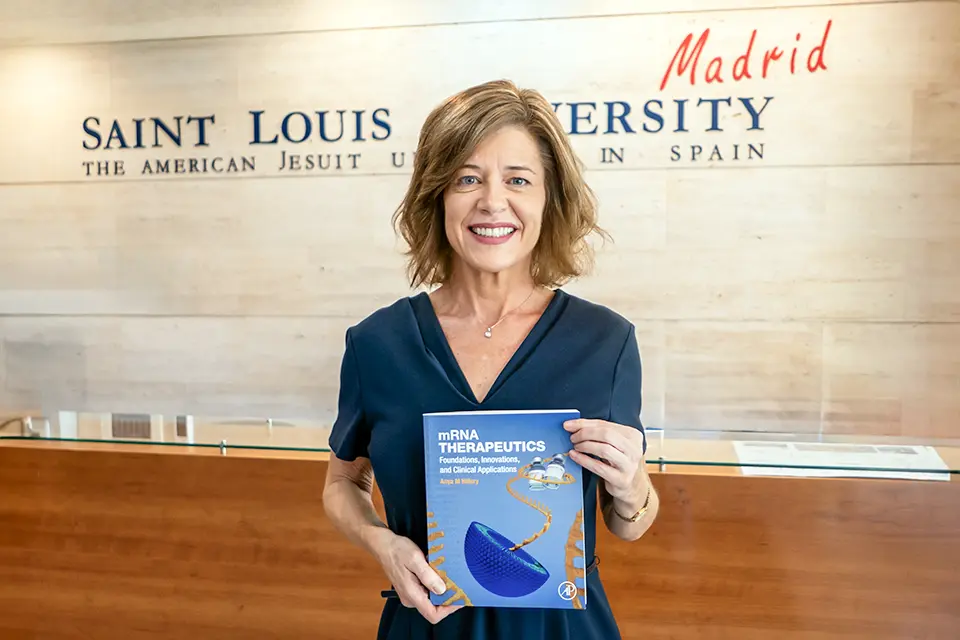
x,y
496,232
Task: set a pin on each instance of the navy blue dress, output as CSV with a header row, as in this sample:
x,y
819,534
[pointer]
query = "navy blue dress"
x,y
399,365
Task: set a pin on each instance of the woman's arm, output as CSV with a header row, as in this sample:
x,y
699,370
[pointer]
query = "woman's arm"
x,y
628,501
614,452
618,513
348,502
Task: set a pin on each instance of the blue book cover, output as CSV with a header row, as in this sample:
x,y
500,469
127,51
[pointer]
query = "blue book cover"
x,y
505,509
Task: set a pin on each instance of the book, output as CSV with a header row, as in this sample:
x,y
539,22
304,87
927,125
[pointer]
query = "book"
x,y
505,509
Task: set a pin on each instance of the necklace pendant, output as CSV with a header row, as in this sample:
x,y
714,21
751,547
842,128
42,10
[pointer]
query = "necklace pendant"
x,y
488,333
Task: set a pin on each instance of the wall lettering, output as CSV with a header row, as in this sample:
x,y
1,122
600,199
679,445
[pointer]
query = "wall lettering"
x,y
673,126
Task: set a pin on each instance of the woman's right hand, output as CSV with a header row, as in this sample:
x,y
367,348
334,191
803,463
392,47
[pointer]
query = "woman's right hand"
x,y
411,575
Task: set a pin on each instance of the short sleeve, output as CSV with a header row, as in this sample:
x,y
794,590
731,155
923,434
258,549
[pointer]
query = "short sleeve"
x,y
350,436
626,397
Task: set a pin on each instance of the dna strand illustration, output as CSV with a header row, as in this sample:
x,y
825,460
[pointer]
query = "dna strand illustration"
x,y
573,552
542,508
457,594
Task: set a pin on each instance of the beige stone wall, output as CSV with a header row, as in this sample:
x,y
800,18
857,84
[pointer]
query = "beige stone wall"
x,y
792,264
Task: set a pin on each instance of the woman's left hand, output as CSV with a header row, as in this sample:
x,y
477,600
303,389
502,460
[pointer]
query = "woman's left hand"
x,y
620,449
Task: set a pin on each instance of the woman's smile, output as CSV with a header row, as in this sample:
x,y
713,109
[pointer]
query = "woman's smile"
x,y
492,232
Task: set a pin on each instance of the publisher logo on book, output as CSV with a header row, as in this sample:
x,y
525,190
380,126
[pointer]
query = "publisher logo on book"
x,y
567,590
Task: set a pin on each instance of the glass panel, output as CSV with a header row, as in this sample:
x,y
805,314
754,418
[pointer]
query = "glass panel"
x,y
804,454
226,432
727,452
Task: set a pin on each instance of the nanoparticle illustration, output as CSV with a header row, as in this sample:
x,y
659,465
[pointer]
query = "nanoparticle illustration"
x,y
502,566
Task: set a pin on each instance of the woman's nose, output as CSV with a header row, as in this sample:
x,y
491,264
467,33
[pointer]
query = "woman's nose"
x,y
494,197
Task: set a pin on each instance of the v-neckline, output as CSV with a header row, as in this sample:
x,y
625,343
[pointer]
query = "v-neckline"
x,y
436,342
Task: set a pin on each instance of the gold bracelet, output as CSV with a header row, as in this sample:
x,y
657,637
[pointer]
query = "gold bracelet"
x,y
638,514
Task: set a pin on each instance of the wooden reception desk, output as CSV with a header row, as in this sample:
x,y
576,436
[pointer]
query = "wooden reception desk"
x,y
132,542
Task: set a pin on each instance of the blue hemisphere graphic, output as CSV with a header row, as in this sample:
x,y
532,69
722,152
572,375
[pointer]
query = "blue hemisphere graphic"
x,y
506,573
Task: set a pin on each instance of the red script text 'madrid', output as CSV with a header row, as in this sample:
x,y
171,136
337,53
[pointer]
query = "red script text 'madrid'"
x,y
745,65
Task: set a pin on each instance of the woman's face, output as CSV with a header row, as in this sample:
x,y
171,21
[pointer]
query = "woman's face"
x,y
494,207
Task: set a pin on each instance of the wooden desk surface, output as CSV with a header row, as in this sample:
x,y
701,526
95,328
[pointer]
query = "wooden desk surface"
x,y
130,544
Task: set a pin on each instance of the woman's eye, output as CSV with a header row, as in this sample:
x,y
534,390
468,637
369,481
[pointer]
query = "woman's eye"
x,y
518,182
468,181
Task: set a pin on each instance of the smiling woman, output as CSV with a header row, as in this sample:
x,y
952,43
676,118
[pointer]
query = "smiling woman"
x,y
486,157
496,217
497,200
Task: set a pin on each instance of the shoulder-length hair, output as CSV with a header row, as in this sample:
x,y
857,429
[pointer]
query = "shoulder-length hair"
x,y
449,136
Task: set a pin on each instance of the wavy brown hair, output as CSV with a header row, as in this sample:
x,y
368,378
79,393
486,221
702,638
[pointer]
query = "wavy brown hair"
x,y
449,136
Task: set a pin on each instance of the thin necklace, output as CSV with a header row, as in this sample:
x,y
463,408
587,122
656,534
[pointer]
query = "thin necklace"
x,y
489,332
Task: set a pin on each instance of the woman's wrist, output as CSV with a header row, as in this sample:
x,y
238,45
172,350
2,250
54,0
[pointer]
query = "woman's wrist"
x,y
375,539
628,506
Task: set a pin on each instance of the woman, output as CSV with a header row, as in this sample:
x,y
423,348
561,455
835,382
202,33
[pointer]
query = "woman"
x,y
496,214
